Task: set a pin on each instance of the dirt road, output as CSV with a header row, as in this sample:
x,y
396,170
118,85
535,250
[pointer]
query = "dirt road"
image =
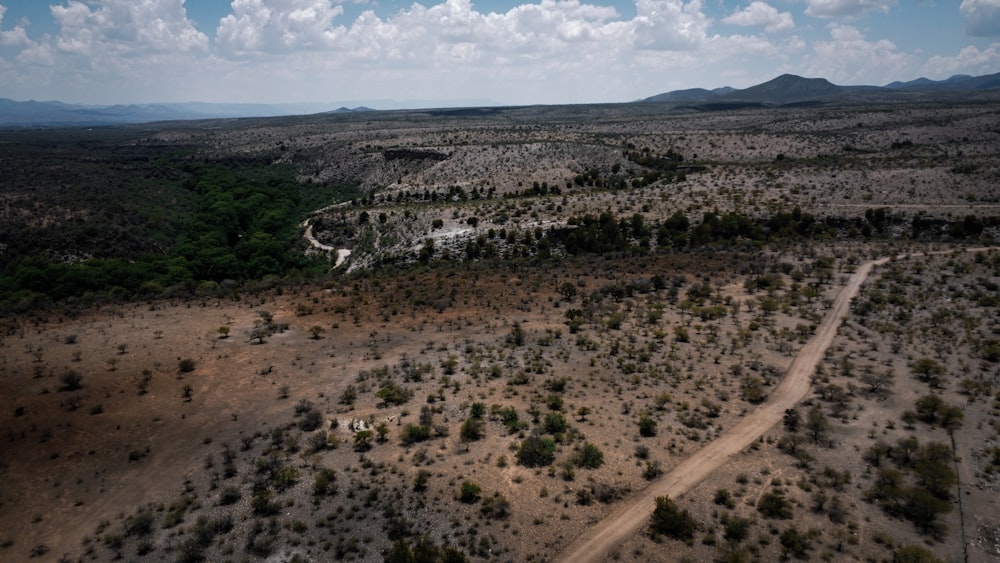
x,y
594,543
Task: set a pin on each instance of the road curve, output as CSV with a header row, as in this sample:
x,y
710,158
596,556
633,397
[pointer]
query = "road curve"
x,y
632,514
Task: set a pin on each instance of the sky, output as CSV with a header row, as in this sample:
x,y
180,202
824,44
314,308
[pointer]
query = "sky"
x,y
464,51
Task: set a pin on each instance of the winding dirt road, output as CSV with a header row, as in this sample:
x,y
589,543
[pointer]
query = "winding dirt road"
x,y
594,543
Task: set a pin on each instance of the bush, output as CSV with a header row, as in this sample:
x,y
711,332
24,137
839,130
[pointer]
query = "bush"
x,y
669,520
472,429
795,543
413,433
186,365
393,394
647,427
590,456
312,420
469,492
496,507
71,381
229,495
324,483
555,423
773,505
536,451
724,498
737,529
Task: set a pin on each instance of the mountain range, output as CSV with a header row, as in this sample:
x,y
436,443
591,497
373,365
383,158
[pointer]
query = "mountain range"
x,y
792,89
21,114
787,89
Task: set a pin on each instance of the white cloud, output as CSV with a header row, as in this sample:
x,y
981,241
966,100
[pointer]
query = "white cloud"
x,y
849,58
970,60
761,14
16,37
982,17
126,26
835,8
279,26
540,51
670,25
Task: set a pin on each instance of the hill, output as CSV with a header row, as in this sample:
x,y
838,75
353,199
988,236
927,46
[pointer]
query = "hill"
x,y
792,89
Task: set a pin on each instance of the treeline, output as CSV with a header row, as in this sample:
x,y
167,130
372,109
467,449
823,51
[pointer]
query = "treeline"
x,y
243,225
605,233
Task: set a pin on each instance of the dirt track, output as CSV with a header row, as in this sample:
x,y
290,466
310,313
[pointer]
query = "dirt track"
x,y
633,514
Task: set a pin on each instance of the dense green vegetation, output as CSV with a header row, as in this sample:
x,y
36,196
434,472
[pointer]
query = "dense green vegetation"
x,y
238,221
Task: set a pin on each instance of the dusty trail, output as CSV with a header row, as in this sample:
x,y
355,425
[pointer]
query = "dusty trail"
x,y
632,514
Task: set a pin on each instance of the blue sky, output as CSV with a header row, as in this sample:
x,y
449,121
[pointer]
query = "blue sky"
x,y
504,51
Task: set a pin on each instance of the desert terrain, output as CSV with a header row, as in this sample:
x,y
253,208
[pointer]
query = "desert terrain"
x,y
631,333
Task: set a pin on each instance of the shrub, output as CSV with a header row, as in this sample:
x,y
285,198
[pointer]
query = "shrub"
x,y
229,495
413,433
393,394
794,543
647,427
472,429
669,520
536,451
773,505
737,529
652,470
589,456
324,483
71,381
186,365
420,481
312,420
724,498
496,507
555,423
469,492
